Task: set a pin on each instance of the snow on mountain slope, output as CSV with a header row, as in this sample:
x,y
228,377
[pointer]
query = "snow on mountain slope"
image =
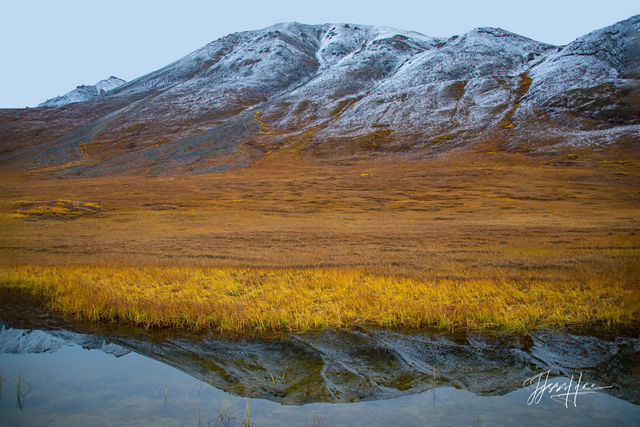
x,y
473,73
108,84
84,93
594,75
337,89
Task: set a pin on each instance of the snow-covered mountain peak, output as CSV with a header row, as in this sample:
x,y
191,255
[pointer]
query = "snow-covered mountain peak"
x,y
84,92
108,84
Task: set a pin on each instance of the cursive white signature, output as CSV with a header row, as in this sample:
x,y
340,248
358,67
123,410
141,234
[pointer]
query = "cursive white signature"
x,y
564,392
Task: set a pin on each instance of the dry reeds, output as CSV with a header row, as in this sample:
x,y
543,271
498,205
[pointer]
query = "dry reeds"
x,y
249,300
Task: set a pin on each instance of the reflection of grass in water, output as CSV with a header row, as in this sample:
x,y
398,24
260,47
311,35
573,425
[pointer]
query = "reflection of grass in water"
x,y
227,419
247,300
165,390
317,421
19,390
434,387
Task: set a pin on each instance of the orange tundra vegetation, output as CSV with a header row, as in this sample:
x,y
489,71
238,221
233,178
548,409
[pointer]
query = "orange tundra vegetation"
x,y
478,241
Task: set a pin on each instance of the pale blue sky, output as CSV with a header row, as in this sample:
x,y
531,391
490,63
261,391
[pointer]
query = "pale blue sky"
x,y
50,47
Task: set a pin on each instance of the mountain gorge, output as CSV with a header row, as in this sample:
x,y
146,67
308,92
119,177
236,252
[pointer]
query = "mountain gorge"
x,y
340,90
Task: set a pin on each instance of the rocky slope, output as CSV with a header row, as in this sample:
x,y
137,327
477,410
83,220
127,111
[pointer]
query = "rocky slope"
x,y
339,89
84,93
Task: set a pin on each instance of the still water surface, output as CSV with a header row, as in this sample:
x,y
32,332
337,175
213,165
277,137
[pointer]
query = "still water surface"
x,y
65,378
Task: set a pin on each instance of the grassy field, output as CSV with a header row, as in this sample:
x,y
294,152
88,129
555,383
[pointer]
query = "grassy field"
x,y
473,241
236,300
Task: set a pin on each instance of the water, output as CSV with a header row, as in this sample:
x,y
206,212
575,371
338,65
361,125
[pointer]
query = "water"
x,y
79,386
56,373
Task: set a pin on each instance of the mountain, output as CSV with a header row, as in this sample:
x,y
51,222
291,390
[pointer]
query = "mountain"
x,y
84,93
341,90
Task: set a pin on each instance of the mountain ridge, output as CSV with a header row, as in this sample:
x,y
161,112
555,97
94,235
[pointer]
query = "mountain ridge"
x,y
84,93
341,89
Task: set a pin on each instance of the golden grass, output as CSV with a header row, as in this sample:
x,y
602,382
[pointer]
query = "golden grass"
x,y
249,300
478,240
55,209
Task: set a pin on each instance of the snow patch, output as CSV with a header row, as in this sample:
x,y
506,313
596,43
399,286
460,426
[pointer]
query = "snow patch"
x,y
84,93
